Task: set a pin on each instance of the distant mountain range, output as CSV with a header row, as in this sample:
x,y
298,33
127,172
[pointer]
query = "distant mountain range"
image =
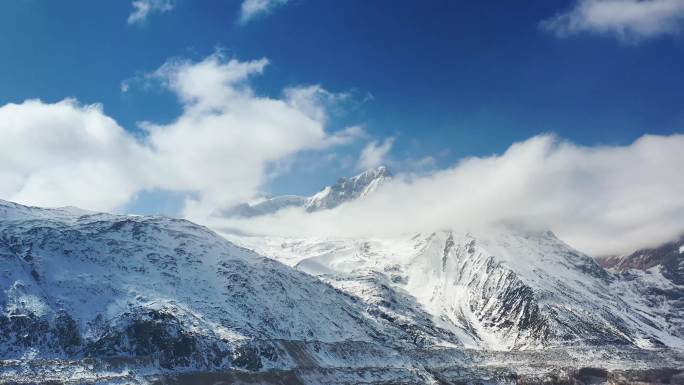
x,y
345,190
99,298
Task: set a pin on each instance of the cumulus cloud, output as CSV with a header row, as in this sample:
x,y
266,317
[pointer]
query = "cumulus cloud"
x,y
250,9
227,135
218,149
315,100
143,8
628,20
375,154
602,200
65,153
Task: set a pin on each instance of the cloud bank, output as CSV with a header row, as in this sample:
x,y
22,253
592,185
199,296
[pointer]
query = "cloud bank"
x,y
225,143
143,8
251,9
627,20
67,154
218,150
602,200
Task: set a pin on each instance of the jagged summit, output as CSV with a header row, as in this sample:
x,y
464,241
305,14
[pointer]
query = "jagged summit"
x,y
345,190
348,189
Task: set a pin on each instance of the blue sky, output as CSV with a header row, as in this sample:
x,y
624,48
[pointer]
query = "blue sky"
x,y
444,79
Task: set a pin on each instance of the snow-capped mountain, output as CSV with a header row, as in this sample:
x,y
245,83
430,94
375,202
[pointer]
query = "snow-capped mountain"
x,y
346,189
98,298
657,275
500,288
81,284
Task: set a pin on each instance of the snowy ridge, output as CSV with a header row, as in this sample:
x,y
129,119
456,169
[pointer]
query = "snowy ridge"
x,y
346,189
503,289
78,284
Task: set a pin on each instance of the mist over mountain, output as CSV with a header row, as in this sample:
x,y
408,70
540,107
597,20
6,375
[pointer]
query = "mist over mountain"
x,y
345,190
599,200
180,298
341,192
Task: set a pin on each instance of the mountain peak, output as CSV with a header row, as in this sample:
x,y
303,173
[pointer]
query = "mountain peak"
x,y
348,189
377,172
345,190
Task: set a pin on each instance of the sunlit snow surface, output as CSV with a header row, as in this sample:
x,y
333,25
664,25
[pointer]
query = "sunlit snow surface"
x,y
502,288
103,269
121,299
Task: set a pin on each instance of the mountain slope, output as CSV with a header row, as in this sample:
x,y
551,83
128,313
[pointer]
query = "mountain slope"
x,y
498,289
94,298
501,288
80,284
656,276
669,257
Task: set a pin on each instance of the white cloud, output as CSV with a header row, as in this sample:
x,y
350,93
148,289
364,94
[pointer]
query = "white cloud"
x,y
218,149
315,100
423,164
65,153
227,135
208,85
345,136
375,154
599,199
223,145
628,20
251,9
143,8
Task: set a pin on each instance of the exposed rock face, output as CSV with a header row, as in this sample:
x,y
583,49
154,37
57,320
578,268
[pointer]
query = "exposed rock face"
x,y
57,335
669,257
656,276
